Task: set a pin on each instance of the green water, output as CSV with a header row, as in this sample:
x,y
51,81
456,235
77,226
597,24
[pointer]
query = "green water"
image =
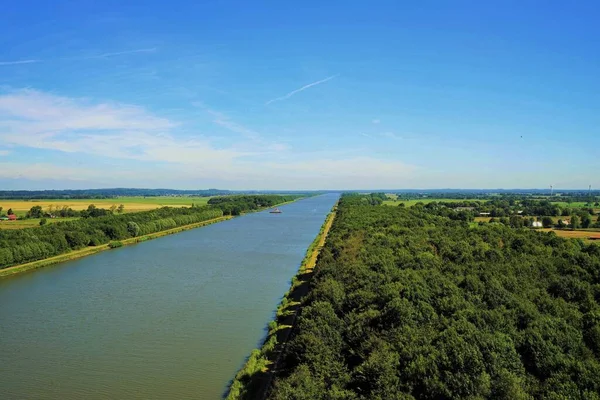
x,y
173,318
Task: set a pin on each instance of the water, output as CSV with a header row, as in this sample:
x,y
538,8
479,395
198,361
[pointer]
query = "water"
x,y
174,317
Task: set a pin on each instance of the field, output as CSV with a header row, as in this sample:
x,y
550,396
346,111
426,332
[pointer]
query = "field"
x,y
29,223
575,234
132,204
409,203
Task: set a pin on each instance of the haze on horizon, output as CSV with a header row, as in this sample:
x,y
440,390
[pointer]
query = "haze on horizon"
x,y
335,95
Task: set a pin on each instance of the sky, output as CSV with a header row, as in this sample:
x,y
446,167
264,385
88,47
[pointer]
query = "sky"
x,y
299,95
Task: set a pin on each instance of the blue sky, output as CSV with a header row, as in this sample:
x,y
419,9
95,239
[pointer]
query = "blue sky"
x,y
310,95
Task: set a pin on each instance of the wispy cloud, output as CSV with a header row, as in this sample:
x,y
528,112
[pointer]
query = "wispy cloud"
x,y
367,135
293,92
105,55
224,121
120,53
4,152
19,62
376,121
390,135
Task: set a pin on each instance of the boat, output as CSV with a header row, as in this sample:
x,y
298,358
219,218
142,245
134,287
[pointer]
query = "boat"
x,y
275,211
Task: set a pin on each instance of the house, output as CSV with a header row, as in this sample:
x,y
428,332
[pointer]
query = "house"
x,y
484,214
536,224
12,217
457,209
3,218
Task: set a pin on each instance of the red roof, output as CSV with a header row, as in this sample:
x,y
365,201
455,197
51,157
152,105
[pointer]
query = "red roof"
x,y
12,217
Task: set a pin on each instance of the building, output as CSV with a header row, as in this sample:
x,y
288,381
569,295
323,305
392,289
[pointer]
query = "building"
x,y
12,217
3,218
536,224
484,214
457,209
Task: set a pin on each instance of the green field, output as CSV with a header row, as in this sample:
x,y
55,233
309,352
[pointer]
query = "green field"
x,y
408,203
132,204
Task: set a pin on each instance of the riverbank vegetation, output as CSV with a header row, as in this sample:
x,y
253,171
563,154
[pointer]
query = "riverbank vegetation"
x,y
32,244
409,304
254,378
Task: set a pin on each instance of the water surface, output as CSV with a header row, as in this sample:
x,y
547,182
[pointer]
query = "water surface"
x,y
169,318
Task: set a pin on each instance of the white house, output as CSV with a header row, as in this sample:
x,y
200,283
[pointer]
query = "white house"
x,y
536,224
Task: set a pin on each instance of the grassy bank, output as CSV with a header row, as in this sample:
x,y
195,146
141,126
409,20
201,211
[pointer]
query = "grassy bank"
x,y
73,255
253,380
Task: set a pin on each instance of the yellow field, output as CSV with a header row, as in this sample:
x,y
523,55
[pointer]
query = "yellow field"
x,y
575,234
29,223
132,204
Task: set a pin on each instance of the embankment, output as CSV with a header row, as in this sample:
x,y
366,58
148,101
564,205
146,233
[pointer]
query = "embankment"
x,y
254,379
73,255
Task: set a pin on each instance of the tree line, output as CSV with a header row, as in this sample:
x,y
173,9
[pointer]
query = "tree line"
x,y
18,246
408,304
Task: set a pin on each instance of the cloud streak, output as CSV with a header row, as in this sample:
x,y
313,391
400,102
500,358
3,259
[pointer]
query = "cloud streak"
x,y
105,55
19,62
293,92
121,53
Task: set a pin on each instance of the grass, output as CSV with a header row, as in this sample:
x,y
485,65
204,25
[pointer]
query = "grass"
x,y
132,204
75,254
29,223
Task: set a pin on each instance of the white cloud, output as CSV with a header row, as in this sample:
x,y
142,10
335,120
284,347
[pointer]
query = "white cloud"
x,y
376,121
4,152
157,152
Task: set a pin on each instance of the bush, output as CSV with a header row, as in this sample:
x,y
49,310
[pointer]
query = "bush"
x,y
43,221
115,244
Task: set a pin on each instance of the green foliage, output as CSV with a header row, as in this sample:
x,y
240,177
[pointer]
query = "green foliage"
x,y
407,303
115,244
35,212
133,229
43,221
10,212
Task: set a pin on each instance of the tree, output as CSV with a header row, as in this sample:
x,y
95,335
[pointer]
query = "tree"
x,y
547,222
43,221
586,221
575,222
1,210
10,211
133,229
35,212
120,208
113,208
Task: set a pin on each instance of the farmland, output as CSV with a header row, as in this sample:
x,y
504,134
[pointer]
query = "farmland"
x,y
409,203
29,223
132,204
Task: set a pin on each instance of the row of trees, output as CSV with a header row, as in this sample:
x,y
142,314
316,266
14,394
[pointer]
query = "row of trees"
x,y
25,245
407,304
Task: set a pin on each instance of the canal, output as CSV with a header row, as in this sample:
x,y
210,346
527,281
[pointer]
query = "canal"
x,y
173,317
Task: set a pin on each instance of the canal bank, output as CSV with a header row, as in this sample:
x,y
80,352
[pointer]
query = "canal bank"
x,y
254,379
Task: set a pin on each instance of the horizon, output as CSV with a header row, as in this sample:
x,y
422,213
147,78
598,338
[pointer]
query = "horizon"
x,y
350,95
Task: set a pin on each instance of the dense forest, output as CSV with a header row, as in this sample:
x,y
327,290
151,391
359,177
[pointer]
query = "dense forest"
x,y
19,246
407,304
